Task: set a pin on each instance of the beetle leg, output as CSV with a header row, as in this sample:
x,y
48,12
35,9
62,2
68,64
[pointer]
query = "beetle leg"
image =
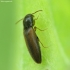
x,y
39,29
41,42
34,28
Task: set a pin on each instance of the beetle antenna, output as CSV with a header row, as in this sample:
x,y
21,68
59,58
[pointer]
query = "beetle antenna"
x,y
37,11
19,20
36,18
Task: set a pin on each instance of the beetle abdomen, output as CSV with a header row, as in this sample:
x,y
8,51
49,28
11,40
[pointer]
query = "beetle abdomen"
x,y
33,44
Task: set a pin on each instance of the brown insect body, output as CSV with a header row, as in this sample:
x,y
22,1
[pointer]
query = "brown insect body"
x,y
33,44
31,38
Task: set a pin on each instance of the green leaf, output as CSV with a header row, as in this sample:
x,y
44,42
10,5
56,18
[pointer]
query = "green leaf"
x,y
55,16
52,17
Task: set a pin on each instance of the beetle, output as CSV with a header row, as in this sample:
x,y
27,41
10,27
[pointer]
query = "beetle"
x,y
31,38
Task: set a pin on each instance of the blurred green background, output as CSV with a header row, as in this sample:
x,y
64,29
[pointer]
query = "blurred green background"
x,y
55,17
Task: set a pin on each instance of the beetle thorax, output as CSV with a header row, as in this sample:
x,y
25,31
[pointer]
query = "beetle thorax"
x,y
28,21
